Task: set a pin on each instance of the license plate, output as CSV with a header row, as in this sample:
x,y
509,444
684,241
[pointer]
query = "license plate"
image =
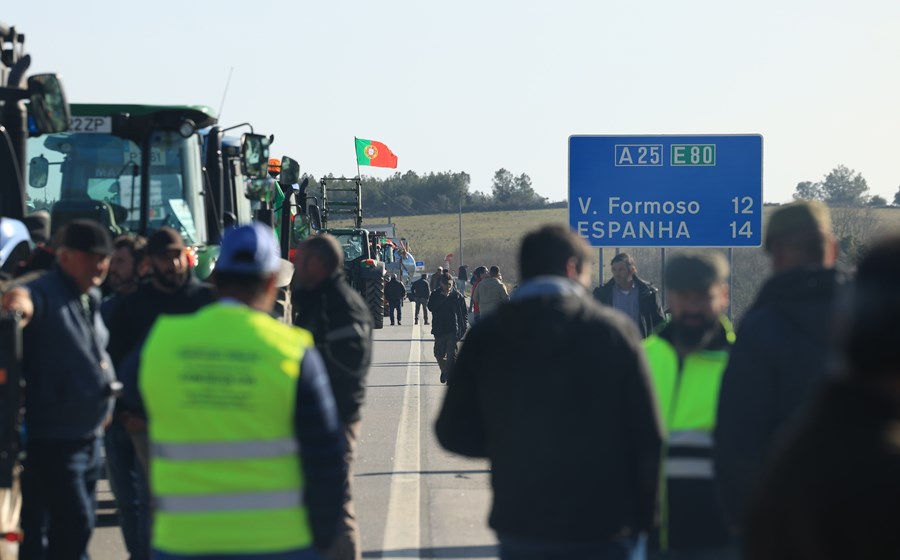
x,y
91,124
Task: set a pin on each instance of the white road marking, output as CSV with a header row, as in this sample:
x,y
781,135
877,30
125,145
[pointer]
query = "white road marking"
x,y
401,530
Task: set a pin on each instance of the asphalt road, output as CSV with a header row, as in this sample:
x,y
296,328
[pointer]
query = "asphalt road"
x,y
413,499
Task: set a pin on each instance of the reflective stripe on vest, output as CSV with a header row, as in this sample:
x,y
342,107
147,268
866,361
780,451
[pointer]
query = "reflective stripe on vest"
x,y
682,467
230,502
226,450
691,438
220,388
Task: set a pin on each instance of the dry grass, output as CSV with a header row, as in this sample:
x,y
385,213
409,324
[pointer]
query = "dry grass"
x,y
491,238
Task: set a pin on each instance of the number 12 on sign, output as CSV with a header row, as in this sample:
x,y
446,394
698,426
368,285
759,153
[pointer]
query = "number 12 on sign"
x,y
744,230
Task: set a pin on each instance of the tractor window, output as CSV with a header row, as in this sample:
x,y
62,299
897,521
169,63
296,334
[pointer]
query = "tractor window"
x,y
90,168
352,245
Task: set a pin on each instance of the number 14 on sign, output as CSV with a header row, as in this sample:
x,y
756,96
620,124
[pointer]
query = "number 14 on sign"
x,y
741,230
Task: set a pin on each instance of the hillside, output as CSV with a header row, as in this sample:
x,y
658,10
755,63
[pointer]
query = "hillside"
x,y
493,238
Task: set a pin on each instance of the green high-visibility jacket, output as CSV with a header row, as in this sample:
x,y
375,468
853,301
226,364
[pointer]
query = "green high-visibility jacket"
x,y
220,390
687,393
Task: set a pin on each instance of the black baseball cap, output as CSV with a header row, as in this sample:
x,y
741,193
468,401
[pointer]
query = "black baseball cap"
x,y
87,236
163,240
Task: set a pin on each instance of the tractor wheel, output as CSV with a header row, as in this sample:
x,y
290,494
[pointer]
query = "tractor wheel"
x,y
375,300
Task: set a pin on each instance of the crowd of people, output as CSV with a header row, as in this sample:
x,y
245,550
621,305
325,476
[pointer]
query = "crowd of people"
x,y
615,428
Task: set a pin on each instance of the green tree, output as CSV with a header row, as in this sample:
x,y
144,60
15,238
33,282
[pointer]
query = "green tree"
x,y
897,198
845,187
807,190
877,201
502,186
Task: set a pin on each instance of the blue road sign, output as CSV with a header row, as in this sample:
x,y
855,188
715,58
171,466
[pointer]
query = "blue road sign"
x,y
666,191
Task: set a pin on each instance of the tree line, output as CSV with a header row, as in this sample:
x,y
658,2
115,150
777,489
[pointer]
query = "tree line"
x,y
410,193
853,217
844,188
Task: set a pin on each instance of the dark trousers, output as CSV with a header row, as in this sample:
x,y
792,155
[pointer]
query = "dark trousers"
x,y
60,477
347,545
445,352
398,305
422,303
129,485
629,548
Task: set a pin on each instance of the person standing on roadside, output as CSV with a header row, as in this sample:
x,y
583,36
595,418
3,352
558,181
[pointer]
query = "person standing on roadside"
x,y
341,324
172,290
687,357
564,412
631,295
70,392
477,277
247,450
395,294
128,264
435,281
127,478
784,349
829,489
448,323
421,293
491,292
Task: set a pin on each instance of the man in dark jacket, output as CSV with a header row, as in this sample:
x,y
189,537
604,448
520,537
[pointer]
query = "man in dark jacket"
x,y
421,294
564,412
341,324
631,295
172,290
783,347
69,397
830,490
449,320
395,293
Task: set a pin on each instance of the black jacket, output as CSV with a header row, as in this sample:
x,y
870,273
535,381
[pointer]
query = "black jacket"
x,y
831,490
341,325
420,289
782,355
448,313
394,291
650,308
131,316
555,391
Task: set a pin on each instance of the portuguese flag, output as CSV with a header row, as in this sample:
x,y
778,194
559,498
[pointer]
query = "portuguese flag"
x,y
376,154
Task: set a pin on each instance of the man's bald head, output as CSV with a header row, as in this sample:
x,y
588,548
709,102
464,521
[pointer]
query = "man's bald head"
x,y
317,259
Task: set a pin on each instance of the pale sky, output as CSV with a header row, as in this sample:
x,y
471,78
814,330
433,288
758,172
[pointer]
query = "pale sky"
x,y
476,86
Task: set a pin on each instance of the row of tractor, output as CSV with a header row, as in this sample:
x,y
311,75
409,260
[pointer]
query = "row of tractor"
x,y
136,168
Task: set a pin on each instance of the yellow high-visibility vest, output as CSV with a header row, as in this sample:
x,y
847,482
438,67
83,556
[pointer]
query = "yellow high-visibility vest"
x,y
687,394
220,391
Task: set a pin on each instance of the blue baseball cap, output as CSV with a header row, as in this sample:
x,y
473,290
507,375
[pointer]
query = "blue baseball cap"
x,y
249,250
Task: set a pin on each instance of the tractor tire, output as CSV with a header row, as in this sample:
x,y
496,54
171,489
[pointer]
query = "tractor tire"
x,y
375,300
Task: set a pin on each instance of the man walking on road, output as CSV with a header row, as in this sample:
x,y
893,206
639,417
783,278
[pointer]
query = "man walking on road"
x,y
783,353
490,292
341,325
631,295
564,412
435,281
448,323
421,294
395,294
687,358
70,388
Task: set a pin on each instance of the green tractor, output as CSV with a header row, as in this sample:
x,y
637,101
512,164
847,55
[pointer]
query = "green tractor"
x,y
99,167
362,262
